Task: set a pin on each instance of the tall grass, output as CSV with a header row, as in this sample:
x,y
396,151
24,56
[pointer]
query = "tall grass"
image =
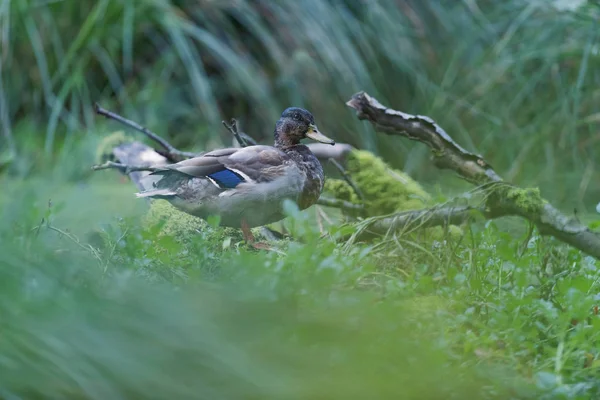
x,y
515,81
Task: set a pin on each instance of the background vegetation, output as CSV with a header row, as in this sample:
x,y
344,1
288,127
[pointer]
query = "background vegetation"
x,y
97,303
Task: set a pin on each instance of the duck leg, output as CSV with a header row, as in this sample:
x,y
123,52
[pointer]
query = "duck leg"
x,y
249,237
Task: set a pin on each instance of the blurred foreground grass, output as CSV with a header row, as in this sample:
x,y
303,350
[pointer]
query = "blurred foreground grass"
x,y
83,323
114,310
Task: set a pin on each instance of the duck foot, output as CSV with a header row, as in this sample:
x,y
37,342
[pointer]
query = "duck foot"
x,y
261,246
250,240
267,247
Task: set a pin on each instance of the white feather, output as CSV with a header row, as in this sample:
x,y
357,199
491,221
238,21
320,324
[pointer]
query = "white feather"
x,y
211,180
160,192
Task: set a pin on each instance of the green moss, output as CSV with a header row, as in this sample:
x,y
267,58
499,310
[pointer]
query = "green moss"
x,y
529,199
340,189
104,151
174,222
385,190
185,227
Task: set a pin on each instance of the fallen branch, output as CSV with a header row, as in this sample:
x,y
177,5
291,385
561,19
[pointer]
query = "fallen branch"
x,y
503,199
418,219
170,151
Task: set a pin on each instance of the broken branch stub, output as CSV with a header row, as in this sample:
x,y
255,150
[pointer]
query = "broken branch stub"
x,y
447,153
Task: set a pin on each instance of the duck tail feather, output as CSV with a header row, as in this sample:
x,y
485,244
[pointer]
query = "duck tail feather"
x,y
161,172
157,194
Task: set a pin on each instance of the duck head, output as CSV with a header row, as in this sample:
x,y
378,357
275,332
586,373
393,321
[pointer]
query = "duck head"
x,y
296,124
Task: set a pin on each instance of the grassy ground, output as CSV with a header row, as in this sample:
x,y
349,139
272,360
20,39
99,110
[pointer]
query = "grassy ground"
x,y
95,302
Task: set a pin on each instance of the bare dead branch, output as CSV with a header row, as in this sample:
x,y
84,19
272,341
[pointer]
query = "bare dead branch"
x,y
124,168
171,151
232,127
248,139
504,199
447,153
243,139
324,152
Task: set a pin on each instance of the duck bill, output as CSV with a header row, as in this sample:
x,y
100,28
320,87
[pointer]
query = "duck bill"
x,y
314,134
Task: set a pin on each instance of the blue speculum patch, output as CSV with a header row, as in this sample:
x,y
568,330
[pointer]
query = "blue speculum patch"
x,y
226,178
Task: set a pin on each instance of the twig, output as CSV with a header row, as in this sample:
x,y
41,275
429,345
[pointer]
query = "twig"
x,y
337,203
504,199
426,218
170,150
126,169
249,139
243,139
348,179
232,127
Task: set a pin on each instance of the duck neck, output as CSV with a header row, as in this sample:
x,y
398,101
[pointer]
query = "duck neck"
x,y
310,167
284,141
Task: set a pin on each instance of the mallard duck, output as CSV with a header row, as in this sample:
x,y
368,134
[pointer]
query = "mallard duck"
x,y
246,186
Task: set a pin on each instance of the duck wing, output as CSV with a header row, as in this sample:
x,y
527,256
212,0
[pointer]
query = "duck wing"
x,y
227,168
